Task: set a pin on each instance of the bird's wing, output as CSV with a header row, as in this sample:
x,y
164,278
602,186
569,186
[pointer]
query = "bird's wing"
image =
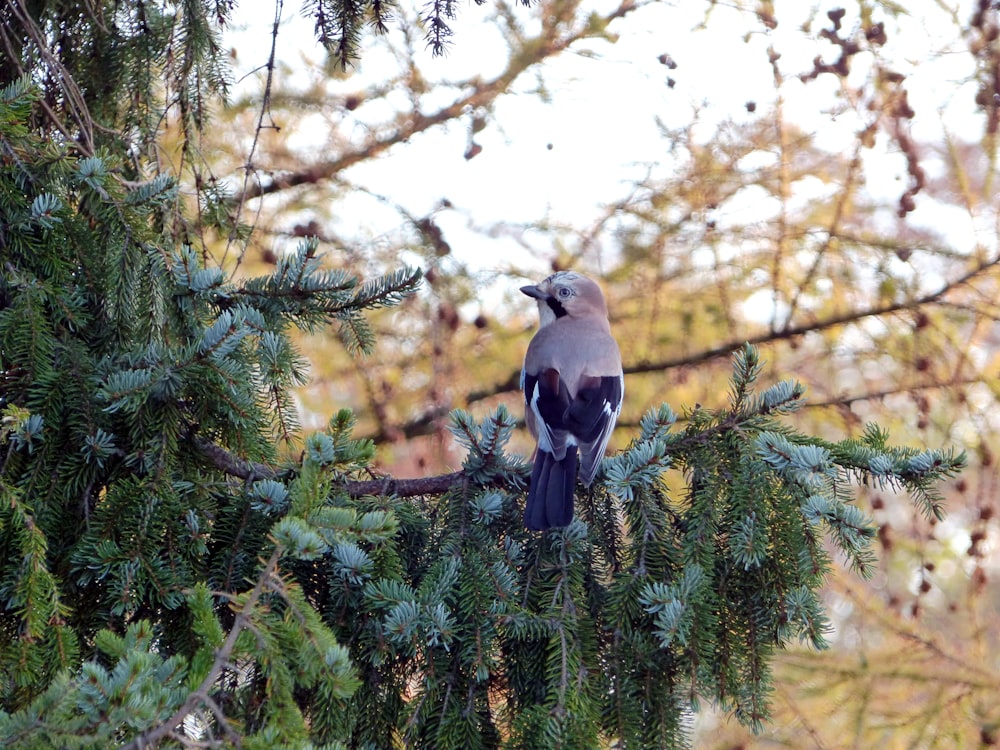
x,y
591,418
546,395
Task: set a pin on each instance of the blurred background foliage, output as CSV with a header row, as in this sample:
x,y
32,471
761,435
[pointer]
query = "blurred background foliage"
x,y
858,247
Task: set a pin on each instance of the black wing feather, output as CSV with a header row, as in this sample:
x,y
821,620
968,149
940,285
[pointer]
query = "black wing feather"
x,y
596,402
588,419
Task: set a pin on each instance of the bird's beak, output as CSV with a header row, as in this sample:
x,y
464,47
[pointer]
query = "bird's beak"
x,y
534,291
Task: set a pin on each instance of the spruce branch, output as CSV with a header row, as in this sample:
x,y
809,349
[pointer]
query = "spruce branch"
x,y
252,471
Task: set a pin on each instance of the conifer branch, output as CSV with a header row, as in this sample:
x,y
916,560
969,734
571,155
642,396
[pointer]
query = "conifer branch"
x,y
388,486
438,484
234,466
252,471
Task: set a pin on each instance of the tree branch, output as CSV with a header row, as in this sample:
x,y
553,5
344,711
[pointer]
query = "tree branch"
x,y
512,383
423,424
222,657
234,466
533,51
252,471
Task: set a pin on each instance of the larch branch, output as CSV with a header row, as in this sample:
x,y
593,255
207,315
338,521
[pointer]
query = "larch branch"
x,y
482,93
424,424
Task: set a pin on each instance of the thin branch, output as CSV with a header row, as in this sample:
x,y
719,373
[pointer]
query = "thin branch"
x,y
202,696
482,94
265,109
768,337
424,424
842,401
252,471
75,101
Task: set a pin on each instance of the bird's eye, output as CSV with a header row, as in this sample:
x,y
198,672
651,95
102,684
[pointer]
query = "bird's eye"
x,y
565,292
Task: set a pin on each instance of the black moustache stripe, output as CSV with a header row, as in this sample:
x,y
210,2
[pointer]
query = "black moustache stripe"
x,y
556,307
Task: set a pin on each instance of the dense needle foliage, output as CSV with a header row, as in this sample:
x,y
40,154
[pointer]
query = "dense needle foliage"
x,y
170,575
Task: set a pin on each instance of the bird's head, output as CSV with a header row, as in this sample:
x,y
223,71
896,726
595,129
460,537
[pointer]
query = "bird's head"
x,y
567,293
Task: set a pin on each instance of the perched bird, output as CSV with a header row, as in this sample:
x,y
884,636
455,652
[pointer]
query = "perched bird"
x,y
573,385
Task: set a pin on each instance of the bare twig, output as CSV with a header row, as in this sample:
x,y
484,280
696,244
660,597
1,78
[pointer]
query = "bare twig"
x,y
202,695
548,43
419,426
265,107
75,102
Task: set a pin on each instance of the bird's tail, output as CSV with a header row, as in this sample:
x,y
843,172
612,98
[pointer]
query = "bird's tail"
x,y
550,497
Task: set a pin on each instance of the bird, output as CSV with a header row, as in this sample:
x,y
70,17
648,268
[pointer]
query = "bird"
x,y
573,386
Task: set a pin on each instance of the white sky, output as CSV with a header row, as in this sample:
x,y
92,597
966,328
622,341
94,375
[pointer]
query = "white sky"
x,y
601,120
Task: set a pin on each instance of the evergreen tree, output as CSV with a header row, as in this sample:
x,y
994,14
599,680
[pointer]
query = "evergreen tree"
x,y
173,574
